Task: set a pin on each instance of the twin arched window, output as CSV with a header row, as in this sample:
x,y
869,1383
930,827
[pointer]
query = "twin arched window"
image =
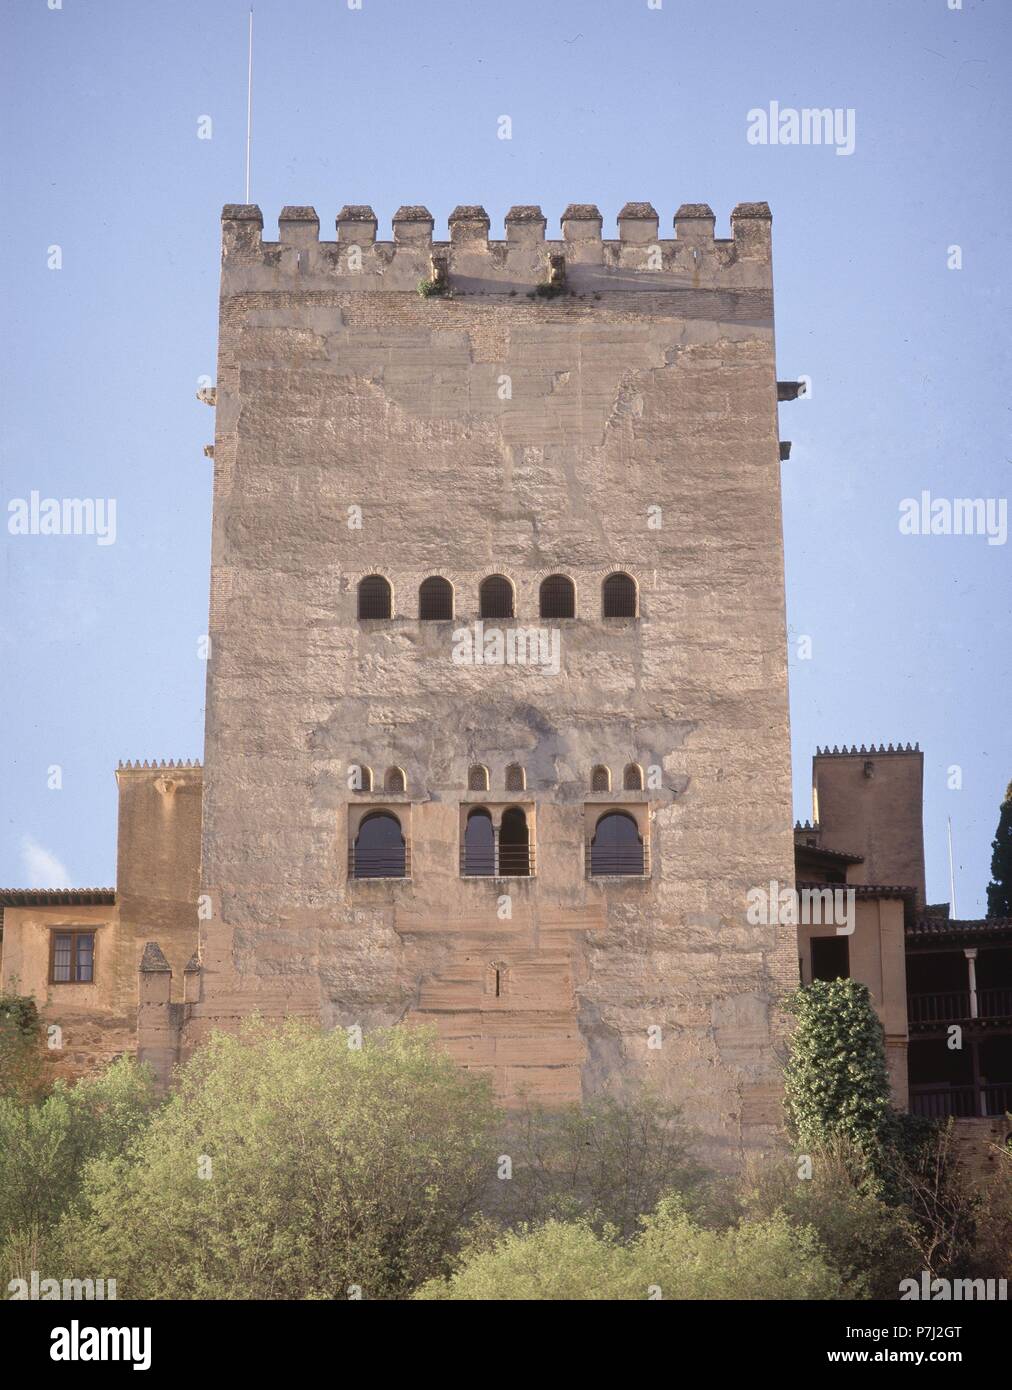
x,y
488,854
496,598
632,778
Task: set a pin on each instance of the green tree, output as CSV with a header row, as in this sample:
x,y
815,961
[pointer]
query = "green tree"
x,y
837,1083
999,890
44,1147
607,1161
288,1164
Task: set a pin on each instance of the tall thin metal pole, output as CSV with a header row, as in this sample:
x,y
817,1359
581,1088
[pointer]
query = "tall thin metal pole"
x,y
952,877
249,103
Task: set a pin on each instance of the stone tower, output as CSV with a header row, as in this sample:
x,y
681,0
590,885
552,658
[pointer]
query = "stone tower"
x,y
540,844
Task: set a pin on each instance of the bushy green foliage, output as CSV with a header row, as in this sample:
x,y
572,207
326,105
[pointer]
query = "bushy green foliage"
x,y
869,1242
44,1147
837,1083
289,1165
671,1258
24,1073
606,1162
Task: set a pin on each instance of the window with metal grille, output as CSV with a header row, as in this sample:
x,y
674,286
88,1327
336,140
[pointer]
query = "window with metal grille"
x,y
557,597
600,779
379,847
72,958
617,847
514,844
618,596
374,597
435,600
394,780
495,597
632,778
360,778
516,781
477,778
479,845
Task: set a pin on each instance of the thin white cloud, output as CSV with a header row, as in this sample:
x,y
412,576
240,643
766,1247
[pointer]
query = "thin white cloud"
x,y
43,869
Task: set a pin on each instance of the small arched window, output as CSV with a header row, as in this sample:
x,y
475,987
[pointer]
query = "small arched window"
x,y
617,847
435,600
394,780
479,845
632,778
514,844
557,597
618,596
379,847
360,778
495,597
600,779
477,778
375,597
516,779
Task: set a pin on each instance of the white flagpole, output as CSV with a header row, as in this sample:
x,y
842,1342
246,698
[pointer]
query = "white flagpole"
x,y
952,876
249,103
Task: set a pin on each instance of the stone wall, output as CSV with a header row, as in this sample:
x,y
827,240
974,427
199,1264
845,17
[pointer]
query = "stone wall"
x,y
626,423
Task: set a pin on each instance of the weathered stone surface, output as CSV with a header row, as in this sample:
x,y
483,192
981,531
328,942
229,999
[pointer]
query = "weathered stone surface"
x,y
492,431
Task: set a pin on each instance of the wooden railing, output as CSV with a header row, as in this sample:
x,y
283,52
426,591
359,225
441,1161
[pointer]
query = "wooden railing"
x,y
953,1006
963,1102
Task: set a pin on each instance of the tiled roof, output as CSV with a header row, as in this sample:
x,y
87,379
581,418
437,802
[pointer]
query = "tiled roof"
x,y
840,854
970,926
54,897
866,890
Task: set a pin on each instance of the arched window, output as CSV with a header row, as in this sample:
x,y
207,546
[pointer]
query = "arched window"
x,y
557,597
379,847
435,600
394,780
375,597
600,779
632,778
617,847
618,596
479,845
514,844
516,780
495,597
477,778
360,778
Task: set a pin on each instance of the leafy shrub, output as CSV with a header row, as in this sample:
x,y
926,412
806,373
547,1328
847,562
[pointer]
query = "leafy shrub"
x,y
671,1258
45,1147
837,1083
289,1165
868,1242
607,1162
24,1069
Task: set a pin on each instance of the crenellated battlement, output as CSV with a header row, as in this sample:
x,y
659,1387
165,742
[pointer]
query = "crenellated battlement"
x,y
580,261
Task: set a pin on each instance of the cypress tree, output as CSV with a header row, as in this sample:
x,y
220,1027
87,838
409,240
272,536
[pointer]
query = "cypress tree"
x,y
999,890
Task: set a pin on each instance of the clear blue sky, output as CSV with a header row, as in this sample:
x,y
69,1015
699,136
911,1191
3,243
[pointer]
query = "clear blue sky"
x,y
397,103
